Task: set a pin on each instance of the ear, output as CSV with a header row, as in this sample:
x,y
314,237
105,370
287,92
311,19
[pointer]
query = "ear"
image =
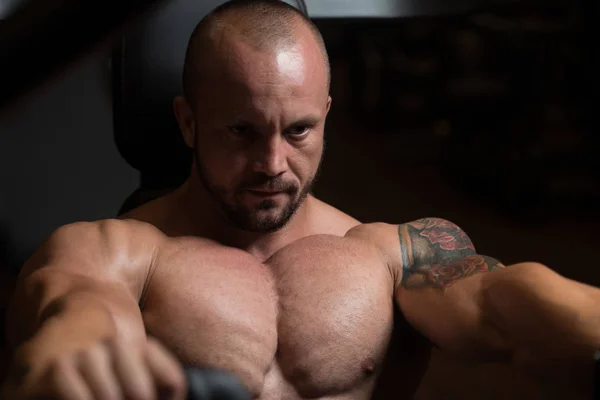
x,y
185,119
328,104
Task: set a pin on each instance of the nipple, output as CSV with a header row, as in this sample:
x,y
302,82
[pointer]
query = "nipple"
x,y
368,366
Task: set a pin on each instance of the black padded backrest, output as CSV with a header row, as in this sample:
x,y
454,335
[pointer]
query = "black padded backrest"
x,y
147,73
147,69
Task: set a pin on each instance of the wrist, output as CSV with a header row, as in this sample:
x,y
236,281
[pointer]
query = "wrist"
x,y
67,332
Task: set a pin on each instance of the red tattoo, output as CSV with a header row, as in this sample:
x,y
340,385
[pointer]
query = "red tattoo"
x,y
445,275
437,253
444,233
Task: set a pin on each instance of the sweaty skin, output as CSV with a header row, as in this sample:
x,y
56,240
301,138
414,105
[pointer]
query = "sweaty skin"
x,y
309,322
318,318
314,320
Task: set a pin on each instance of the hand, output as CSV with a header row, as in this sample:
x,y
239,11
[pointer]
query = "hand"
x,y
108,370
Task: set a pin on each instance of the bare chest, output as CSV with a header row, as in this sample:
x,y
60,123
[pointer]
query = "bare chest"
x,y
314,320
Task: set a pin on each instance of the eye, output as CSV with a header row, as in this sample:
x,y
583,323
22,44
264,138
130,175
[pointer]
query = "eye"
x,y
298,131
240,129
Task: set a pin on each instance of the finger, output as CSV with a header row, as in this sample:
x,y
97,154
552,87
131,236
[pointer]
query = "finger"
x,y
97,370
167,372
132,373
66,383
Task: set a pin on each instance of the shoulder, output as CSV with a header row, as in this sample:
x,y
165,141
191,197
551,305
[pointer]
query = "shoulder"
x,y
330,220
383,237
437,253
110,233
422,241
437,233
103,248
92,254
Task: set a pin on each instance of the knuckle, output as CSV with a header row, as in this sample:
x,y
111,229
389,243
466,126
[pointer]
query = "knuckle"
x,y
89,354
59,366
119,345
58,371
110,343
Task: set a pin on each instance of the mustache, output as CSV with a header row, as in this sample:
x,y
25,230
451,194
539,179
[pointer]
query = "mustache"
x,y
264,182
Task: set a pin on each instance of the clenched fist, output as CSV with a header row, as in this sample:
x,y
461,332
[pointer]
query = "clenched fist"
x,y
108,370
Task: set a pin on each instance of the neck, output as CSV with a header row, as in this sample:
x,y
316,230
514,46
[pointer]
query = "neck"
x,y
203,217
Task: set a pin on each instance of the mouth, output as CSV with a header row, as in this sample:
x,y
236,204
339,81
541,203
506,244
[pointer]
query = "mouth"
x,y
265,193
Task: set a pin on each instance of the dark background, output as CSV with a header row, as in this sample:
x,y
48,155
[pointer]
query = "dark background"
x,y
486,119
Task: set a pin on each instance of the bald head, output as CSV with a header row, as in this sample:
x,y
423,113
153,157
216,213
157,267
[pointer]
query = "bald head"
x,y
265,25
256,83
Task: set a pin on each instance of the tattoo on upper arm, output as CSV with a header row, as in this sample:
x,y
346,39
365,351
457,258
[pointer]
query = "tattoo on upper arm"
x,y
437,253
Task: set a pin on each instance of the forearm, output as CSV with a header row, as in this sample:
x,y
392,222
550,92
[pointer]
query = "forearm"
x,y
551,323
72,321
51,316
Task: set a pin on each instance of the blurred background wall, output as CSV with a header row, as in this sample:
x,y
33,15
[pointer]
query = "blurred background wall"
x,y
487,119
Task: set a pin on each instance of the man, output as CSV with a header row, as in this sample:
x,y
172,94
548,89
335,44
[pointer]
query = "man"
x,y
241,269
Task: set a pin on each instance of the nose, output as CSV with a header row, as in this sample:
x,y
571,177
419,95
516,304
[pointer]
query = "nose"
x,y
271,156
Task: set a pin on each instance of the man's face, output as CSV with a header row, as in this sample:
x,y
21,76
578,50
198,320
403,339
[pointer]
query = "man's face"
x,y
259,133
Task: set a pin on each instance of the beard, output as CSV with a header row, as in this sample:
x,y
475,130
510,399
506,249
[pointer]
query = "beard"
x,y
264,217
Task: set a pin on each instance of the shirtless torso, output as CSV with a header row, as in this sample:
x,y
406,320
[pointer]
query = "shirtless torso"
x,y
314,320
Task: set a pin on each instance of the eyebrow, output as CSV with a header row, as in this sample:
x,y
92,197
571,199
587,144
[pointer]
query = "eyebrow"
x,y
305,120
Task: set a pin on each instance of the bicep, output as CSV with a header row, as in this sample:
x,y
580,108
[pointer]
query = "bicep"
x,y
438,282
440,285
454,318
